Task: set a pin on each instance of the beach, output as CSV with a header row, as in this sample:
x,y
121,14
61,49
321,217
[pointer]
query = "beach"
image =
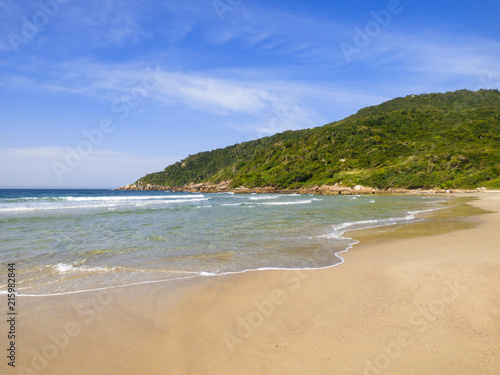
x,y
415,305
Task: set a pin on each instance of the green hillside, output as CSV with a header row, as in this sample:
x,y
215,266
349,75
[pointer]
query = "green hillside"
x,y
449,140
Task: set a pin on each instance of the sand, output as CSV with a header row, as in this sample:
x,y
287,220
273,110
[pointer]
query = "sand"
x,y
422,305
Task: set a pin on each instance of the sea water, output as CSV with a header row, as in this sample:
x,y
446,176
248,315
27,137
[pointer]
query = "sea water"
x,y
65,241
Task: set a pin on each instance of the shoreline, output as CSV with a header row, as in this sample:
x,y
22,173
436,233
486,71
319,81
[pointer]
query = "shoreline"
x,y
370,232
336,189
420,305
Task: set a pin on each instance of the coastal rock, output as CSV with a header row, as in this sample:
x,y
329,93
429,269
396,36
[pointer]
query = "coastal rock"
x,y
146,187
223,186
367,190
358,189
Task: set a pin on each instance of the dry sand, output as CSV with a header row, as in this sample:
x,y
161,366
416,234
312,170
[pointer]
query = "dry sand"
x,y
425,305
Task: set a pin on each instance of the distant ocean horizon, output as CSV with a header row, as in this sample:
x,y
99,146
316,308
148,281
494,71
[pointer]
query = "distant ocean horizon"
x,y
70,240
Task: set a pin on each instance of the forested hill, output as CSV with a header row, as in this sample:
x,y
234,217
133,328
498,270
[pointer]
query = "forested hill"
x,y
449,140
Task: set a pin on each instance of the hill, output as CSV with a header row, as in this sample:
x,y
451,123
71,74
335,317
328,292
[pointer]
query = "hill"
x,y
449,140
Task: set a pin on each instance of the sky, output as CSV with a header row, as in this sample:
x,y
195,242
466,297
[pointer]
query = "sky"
x,y
97,94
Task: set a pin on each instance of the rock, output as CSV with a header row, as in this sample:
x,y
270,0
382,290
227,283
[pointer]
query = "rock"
x,y
223,186
346,192
142,187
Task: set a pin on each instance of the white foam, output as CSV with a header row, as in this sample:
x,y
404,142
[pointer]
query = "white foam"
x,y
200,274
208,274
135,197
91,203
286,203
265,197
423,211
106,287
63,268
268,203
340,229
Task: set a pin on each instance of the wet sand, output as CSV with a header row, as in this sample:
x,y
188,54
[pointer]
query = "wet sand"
x,y
404,304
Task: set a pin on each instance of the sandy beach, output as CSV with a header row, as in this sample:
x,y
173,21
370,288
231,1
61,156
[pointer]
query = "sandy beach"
x,y
421,305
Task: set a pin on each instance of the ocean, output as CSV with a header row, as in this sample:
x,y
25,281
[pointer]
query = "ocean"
x,y
66,241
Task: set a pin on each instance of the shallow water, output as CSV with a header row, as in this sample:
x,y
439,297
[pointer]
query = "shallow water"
x,y
70,240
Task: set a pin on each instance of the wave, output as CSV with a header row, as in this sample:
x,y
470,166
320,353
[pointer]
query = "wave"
x,y
133,198
286,203
67,264
107,197
190,274
249,204
31,199
63,268
340,229
265,197
101,203
237,204
424,211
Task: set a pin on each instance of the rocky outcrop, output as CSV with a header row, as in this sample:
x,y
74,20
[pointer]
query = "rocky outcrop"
x,y
223,187
145,187
206,187
337,190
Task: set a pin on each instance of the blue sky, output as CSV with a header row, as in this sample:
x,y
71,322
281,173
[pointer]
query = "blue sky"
x,y
97,95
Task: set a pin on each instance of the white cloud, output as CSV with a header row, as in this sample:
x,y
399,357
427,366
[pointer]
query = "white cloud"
x,y
212,94
195,91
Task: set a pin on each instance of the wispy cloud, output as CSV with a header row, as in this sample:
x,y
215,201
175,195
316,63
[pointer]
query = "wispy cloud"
x,y
279,33
69,26
433,58
105,23
199,91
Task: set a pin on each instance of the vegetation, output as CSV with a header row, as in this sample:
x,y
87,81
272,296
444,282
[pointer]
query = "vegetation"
x,y
449,140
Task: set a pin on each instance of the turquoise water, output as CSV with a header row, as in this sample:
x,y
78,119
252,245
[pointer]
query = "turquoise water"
x,y
70,240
